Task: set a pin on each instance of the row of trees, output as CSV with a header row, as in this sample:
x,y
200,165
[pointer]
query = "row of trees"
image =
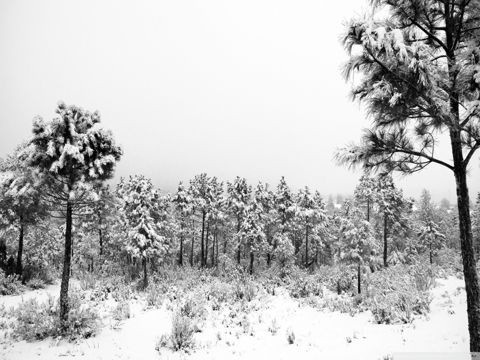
x,y
208,222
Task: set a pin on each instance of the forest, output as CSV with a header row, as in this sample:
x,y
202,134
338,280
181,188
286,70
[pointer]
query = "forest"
x,y
99,266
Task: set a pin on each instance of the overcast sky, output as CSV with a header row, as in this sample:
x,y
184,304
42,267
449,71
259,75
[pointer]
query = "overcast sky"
x,y
250,88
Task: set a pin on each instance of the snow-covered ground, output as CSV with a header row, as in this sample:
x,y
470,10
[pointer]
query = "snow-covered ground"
x,y
318,334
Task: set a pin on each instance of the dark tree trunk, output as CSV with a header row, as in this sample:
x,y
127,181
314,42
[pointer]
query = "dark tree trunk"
x,y
306,244
193,243
202,243
368,210
180,258
100,237
145,278
19,268
216,251
66,266
472,287
239,250
212,256
359,279
431,255
251,262
385,244
205,261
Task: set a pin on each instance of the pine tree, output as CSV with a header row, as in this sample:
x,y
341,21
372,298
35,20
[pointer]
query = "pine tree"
x,y
251,232
184,207
71,151
365,193
21,203
357,241
419,78
239,195
265,199
143,214
431,237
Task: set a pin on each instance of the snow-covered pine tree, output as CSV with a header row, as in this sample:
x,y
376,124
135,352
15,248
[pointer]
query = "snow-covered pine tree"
x,y
364,193
201,190
265,199
311,214
419,69
21,203
390,204
251,232
431,238
71,152
184,208
143,213
239,195
357,241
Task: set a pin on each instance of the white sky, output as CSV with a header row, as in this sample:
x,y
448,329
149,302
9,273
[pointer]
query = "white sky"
x,y
250,88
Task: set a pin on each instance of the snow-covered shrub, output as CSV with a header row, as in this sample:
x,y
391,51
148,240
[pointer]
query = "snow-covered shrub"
x,y
35,321
337,278
181,336
35,284
121,311
193,308
290,336
246,290
397,294
10,285
273,327
306,286
154,296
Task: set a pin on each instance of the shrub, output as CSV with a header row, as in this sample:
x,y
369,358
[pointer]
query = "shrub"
x,y
306,286
273,327
245,290
399,293
10,285
181,336
290,336
154,296
121,311
36,321
35,284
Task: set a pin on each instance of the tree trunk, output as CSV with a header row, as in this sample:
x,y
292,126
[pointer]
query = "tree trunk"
x,y
359,279
19,268
368,210
385,245
251,262
205,261
145,278
239,254
66,267
212,257
100,237
202,243
306,244
193,243
431,255
180,258
472,287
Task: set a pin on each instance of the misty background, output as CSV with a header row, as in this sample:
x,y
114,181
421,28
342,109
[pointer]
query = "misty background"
x,y
250,88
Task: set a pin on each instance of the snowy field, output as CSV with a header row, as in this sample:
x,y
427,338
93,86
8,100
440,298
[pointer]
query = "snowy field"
x,y
317,334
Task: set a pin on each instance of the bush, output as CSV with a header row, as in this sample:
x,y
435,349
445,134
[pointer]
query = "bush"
x,y
290,336
36,321
306,286
181,336
121,311
10,285
154,296
339,279
35,284
399,293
